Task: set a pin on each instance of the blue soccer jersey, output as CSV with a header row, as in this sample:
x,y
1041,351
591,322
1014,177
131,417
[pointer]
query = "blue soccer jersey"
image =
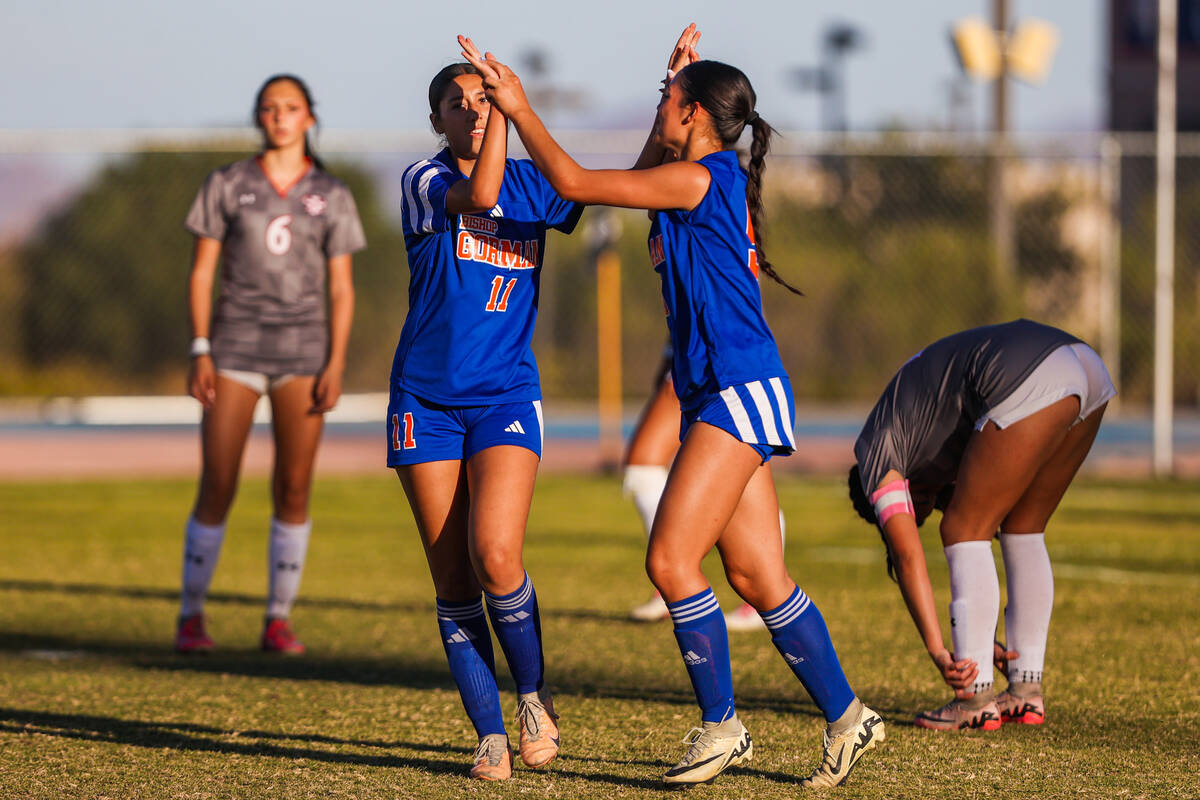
x,y
473,293
709,268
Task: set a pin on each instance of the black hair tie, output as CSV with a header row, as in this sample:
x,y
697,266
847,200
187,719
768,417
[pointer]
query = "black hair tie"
x,y
753,118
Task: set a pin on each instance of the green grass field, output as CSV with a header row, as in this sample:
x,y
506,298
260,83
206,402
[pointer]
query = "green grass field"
x,y
93,703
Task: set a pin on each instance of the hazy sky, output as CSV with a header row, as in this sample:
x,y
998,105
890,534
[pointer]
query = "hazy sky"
x,y
167,63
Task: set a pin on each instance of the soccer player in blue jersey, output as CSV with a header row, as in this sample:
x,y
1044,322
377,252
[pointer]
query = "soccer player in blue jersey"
x,y
734,394
282,229
465,415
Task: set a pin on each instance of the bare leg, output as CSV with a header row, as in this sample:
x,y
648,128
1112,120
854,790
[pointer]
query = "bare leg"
x,y
223,433
501,480
997,469
437,493
706,484
656,437
297,436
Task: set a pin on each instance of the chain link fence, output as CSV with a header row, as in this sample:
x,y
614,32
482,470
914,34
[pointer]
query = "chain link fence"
x,y
889,236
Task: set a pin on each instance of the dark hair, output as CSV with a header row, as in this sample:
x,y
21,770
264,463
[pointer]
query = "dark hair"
x,y
309,152
726,94
441,81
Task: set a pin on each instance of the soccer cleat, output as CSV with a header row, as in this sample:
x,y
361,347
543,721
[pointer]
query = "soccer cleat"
x,y
957,715
493,758
744,618
190,636
653,610
843,751
277,637
713,749
539,731
1021,710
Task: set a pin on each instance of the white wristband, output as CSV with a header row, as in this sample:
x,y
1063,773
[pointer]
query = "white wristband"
x,y
200,347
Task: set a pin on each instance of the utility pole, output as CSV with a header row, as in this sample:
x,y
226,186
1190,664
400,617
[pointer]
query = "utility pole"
x,y
1164,243
1001,219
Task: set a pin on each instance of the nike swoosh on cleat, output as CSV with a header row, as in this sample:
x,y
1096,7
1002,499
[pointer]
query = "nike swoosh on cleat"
x,y
672,772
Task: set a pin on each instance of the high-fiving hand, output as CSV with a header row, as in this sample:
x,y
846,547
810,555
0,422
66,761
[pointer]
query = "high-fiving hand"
x,y
685,49
502,85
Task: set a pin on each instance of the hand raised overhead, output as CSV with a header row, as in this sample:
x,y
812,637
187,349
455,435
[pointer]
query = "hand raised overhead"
x,y
684,52
502,85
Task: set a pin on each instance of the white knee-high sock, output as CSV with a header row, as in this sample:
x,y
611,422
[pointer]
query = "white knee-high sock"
x,y
201,549
974,605
1030,582
286,552
645,483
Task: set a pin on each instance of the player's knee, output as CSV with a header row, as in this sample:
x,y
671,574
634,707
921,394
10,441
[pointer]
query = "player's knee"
x,y
957,526
498,569
291,496
665,571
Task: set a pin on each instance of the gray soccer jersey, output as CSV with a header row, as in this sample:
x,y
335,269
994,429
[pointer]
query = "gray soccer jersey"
x,y
270,315
921,424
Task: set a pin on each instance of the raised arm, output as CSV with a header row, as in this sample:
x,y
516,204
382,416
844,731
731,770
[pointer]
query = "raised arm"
x,y
684,53
678,185
481,190
904,546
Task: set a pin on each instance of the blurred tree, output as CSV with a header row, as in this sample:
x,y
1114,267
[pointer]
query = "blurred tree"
x,y
105,278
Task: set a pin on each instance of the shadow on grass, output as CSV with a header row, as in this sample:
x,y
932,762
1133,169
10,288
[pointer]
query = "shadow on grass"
x,y
411,672
234,598
191,737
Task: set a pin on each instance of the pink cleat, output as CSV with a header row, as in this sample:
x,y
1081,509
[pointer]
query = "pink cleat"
x,y
1021,710
190,636
277,637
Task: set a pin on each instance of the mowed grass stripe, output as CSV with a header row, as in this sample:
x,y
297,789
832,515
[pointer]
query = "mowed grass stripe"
x,y
93,703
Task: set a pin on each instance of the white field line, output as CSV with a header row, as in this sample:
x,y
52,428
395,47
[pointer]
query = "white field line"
x,y
1079,572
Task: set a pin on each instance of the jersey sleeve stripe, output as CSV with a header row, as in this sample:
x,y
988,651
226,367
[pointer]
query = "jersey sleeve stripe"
x,y
410,205
423,193
416,182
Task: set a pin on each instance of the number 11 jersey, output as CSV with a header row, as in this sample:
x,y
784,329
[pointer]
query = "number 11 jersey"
x,y
473,292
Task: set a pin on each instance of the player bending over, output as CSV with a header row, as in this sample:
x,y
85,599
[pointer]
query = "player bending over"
x,y
989,425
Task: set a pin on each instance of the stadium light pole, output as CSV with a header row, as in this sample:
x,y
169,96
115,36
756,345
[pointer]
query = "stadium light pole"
x,y
1164,243
828,78
989,52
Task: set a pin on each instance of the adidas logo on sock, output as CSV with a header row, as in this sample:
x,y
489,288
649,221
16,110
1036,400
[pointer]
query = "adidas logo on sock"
x,y
517,617
515,428
691,659
460,637
793,660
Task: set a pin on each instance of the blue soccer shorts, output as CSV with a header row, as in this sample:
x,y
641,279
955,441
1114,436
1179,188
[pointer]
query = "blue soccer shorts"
x,y
419,430
758,413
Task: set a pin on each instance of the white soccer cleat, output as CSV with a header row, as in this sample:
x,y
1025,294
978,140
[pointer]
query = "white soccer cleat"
x,y
539,740
713,749
653,610
493,759
961,715
744,618
842,752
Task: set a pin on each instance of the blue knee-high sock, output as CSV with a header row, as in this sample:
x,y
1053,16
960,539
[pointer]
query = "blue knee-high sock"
x,y
468,644
704,644
519,629
799,633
